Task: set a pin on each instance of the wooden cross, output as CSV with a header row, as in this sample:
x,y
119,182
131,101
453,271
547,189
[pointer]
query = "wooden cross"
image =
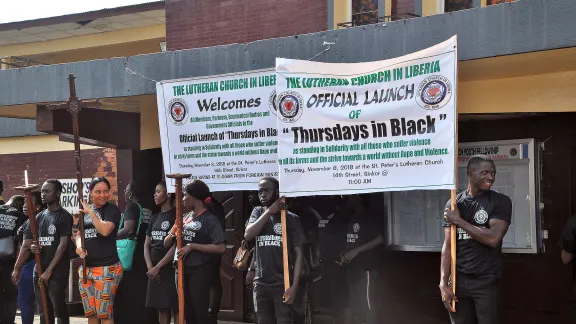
x,y
31,211
74,105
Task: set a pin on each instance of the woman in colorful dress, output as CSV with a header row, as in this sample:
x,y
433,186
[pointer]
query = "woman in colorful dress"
x,y
103,268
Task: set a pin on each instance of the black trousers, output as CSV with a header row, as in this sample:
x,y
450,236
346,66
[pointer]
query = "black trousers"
x,y
477,300
269,305
8,294
335,284
56,299
362,287
215,290
197,283
302,308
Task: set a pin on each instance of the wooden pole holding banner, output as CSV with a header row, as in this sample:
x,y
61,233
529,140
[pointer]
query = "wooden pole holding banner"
x,y
285,249
179,224
31,211
453,192
452,207
453,248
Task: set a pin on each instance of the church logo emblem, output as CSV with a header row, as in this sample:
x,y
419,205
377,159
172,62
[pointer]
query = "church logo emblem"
x,y
481,217
178,111
434,92
289,105
278,229
195,225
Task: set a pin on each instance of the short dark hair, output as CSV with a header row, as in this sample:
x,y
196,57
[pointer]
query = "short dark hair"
x,y
96,181
475,161
273,180
134,188
16,200
57,184
1,186
198,189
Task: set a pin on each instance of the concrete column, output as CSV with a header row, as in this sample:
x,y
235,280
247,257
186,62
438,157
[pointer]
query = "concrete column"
x,y
382,8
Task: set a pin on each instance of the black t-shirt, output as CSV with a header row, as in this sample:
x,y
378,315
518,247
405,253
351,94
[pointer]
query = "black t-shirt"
x,y
146,218
21,230
474,257
101,249
268,249
203,229
361,230
158,229
331,234
132,213
52,226
10,220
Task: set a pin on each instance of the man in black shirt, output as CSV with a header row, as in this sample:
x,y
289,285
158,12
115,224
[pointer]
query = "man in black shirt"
x,y
11,217
482,218
361,258
54,232
271,302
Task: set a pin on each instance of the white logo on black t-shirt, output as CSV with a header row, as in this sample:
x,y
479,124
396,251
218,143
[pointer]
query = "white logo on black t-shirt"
x,y
8,222
146,215
481,217
356,227
165,225
278,228
195,225
330,216
51,229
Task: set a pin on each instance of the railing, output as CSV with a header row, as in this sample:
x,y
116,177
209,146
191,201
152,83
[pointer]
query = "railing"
x,y
363,18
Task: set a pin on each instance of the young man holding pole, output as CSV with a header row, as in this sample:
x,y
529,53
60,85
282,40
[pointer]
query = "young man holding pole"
x,y
271,301
54,232
482,218
11,217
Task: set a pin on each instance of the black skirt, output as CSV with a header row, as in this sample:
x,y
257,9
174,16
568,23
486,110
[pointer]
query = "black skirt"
x,y
163,294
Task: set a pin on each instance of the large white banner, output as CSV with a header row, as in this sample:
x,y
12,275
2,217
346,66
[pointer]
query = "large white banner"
x,y
221,129
368,127
69,197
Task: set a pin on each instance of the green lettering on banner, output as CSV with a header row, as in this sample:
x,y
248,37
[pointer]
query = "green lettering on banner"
x,y
422,69
293,83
